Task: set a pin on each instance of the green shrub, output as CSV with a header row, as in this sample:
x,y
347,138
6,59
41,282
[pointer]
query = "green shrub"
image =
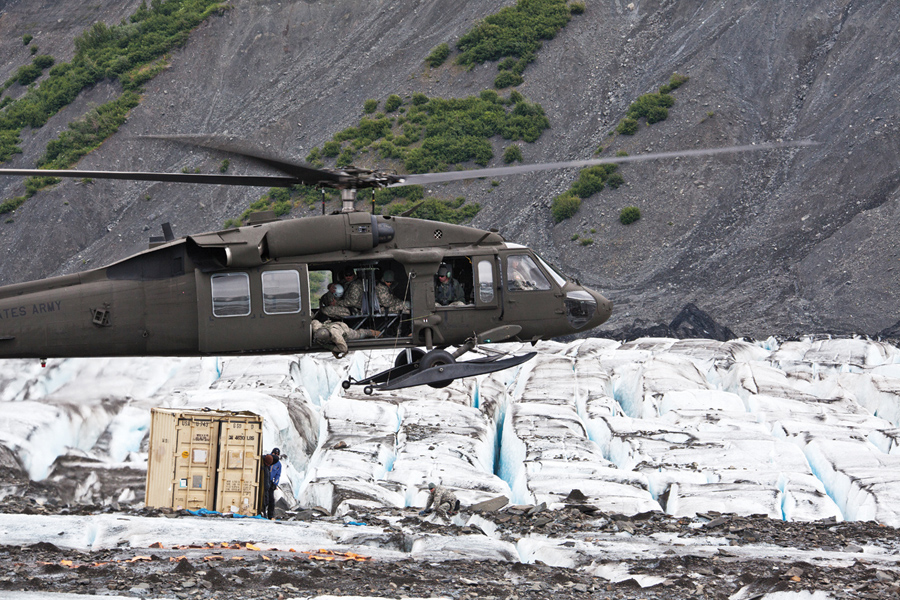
x,y
587,241
418,99
574,237
629,215
88,132
27,74
565,206
451,131
438,55
507,79
345,158
621,153
515,97
102,52
370,106
435,209
512,154
489,96
223,166
513,31
393,103
42,61
26,39
615,181
331,149
627,126
653,107
314,155
507,64
34,50
591,180
279,194
675,81
576,8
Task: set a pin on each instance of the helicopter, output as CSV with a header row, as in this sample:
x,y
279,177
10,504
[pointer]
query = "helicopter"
x,y
254,289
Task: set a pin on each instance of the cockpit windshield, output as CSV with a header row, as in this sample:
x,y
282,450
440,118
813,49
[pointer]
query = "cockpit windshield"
x,y
557,276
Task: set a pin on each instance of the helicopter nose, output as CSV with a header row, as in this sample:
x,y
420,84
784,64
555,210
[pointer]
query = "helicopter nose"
x,y
604,309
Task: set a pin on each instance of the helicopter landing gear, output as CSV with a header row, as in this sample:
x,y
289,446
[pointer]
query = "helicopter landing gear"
x,y
437,358
437,368
408,357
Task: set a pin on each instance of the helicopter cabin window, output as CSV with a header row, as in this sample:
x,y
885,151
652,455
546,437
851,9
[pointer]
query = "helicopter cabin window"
x,y
485,281
231,294
281,292
522,274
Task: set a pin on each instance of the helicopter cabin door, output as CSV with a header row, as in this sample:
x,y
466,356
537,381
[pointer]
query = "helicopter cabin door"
x,y
254,310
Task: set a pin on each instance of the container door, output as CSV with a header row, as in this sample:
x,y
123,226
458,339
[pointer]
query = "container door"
x,y
195,463
254,310
161,459
240,440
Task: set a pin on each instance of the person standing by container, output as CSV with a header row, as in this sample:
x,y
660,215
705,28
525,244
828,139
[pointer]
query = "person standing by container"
x,y
272,466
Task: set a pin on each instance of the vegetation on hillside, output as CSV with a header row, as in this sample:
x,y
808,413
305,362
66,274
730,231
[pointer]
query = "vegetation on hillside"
x,y
514,34
436,134
131,53
651,107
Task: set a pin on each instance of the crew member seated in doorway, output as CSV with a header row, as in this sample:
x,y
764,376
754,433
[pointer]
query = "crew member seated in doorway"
x,y
388,302
353,292
328,303
447,290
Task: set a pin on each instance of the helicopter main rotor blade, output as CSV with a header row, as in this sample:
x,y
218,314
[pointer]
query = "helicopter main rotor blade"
x,y
425,178
356,178
304,174
209,179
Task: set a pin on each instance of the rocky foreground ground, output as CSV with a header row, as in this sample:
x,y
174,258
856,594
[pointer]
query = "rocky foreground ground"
x,y
848,560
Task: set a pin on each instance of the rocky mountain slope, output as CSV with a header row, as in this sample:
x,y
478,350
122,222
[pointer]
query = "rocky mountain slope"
x,y
774,242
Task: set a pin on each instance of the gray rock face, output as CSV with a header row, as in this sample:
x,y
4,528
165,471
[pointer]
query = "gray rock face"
x,y
778,242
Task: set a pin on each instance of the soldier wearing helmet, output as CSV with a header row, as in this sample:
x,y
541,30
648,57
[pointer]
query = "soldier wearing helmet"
x,y
386,299
328,303
447,290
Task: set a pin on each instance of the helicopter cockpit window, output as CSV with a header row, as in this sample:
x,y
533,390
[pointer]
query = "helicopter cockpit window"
x,y
281,292
485,281
231,294
556,275
522,274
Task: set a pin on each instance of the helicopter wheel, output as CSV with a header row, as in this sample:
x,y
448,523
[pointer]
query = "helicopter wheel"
x,y
435,358
368,390
345,384
408,356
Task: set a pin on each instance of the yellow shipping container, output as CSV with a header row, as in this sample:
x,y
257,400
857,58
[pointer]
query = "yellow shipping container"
x,y
204,459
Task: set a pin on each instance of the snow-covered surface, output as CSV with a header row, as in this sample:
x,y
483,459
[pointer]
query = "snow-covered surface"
x,y
802,430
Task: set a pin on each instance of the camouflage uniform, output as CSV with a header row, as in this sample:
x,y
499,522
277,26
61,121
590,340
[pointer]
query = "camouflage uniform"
x,y
353,296
449,292
388,302
340,332
444,500
328,304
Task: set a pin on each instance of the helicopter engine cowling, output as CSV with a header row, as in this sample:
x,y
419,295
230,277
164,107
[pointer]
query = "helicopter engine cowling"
x,y
248,247
356,232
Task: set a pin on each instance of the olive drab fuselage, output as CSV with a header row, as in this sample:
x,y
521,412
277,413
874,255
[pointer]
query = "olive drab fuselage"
x,y
255,290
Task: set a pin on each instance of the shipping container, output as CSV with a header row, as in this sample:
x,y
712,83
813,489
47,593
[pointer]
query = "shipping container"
x,y
204,459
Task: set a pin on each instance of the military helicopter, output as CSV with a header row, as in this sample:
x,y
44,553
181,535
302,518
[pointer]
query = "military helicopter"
x,y
251,289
